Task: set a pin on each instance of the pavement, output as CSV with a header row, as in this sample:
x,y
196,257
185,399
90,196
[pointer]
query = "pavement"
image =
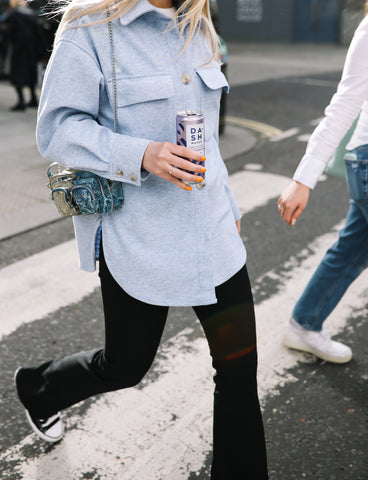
x,y
24,197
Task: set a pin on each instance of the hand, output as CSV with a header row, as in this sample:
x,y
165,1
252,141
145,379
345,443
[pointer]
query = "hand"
x,y
293,201
164,159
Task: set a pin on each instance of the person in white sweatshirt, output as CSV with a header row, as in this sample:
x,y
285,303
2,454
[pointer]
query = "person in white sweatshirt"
x,y
348,256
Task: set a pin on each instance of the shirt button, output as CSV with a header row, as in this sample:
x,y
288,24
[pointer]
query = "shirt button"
x,y
186,78
133,178
119,173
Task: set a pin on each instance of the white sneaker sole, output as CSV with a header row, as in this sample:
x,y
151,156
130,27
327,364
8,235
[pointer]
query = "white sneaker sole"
x,y
29,418
293,341
42,435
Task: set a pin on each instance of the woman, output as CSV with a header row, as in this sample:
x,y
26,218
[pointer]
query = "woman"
x,y
27,47
348,257
170,244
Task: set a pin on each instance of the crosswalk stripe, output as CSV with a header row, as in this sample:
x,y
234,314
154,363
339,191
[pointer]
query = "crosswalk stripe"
x,y
40,284
163,429
285,134
250,191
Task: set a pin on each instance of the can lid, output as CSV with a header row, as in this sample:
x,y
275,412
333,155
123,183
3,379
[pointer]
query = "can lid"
x,y
189,113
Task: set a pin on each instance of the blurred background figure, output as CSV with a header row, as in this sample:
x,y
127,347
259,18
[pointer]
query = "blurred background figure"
x,y
26,47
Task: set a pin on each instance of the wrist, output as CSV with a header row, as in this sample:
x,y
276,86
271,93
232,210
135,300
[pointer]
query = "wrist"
x,y
301,185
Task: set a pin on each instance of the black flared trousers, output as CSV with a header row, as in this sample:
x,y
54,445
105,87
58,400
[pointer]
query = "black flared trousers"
x,y
133,331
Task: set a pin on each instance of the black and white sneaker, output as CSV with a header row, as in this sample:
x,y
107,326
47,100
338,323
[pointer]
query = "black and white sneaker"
x,y
49,429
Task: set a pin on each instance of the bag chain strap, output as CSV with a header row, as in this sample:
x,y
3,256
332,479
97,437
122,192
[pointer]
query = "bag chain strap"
x,y
113,68
114,88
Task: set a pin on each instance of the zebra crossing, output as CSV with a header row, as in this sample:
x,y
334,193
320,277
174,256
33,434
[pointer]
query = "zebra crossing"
x,y
162,428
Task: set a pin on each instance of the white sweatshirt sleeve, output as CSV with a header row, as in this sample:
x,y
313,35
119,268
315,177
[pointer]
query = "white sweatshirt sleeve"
x,y
343,109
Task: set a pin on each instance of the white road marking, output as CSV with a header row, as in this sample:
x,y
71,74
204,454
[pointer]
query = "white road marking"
x,y
255,189
163,429
316,121
304,138
255,167
286,134
40,284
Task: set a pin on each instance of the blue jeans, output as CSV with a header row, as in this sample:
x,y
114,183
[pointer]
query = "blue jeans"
x,y
347,257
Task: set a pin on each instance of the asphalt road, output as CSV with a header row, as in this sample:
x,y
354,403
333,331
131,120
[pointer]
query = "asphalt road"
x,y
316,416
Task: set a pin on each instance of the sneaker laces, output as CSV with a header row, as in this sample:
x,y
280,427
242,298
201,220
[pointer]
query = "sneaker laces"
x,y
47,423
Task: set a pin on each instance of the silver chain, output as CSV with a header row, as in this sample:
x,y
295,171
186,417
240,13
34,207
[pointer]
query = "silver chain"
x,y
113,67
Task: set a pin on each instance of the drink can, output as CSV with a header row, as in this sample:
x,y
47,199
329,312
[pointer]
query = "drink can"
x,y
190,133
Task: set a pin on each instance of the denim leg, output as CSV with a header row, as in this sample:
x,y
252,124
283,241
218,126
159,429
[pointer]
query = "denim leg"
x,y
341,265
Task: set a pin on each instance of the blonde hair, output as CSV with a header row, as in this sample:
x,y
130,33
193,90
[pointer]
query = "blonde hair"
x,y
195,13
17,3
366,7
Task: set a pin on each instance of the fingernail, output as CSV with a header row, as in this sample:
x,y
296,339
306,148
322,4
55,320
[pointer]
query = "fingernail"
x,y
293,222
199,179
203,169
203,159
188,188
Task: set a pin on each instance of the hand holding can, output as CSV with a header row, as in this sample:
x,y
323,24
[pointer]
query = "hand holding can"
x,y
190,133
174,163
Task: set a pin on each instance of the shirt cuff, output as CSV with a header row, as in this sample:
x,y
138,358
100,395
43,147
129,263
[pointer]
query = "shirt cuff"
x,y
126,159
309,171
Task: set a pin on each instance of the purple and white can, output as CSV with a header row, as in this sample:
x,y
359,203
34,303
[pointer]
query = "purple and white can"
x,y
190,133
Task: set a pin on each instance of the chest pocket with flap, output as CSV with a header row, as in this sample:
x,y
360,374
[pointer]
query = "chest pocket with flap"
x,y
142,101
213,81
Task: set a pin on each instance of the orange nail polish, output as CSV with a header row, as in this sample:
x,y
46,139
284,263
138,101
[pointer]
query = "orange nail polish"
x,y
199,179
203,159
203,169
188,188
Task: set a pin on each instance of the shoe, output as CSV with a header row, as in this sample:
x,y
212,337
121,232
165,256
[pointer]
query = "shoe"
x,y
33,103
50,429
19,107
318,343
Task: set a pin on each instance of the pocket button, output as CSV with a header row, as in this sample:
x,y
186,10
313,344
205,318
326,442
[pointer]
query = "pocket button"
x,y
119,173
133,178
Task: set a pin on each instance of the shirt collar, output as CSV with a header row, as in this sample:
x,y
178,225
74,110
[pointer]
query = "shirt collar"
x,y
139,9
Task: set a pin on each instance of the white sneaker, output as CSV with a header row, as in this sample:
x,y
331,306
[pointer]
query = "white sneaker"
x,y
318,343
49,429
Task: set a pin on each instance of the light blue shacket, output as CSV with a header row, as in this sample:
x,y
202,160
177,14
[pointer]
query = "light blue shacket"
x,y
166,246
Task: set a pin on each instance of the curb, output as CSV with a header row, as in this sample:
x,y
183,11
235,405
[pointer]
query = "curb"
x,y
237,140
